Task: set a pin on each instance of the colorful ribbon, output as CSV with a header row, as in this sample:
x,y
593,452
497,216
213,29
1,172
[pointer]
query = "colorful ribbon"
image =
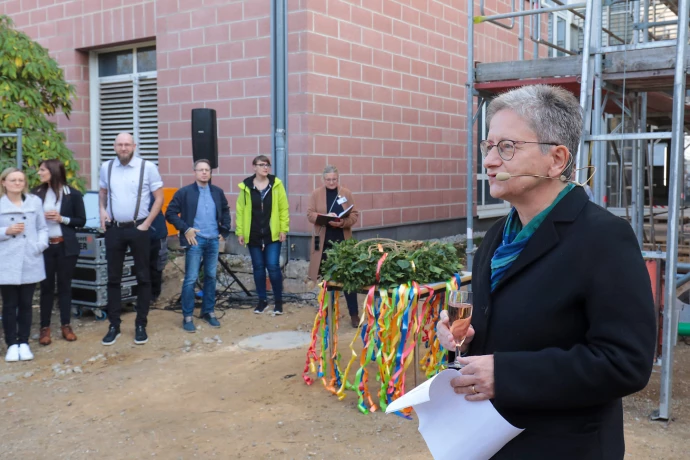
x,y
391,328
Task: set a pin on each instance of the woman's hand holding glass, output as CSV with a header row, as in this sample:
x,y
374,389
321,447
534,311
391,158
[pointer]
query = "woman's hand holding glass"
x,y
445,336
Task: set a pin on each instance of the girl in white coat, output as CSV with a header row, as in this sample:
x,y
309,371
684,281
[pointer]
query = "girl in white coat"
x,y
23,238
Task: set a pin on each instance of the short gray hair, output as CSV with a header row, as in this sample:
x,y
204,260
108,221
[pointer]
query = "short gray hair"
x,y
330,169
553,113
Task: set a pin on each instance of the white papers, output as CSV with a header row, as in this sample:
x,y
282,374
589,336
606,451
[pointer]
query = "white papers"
x,y
452,427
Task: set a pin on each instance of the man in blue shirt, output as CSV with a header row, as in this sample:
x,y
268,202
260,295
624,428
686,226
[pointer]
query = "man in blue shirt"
x,y
200,212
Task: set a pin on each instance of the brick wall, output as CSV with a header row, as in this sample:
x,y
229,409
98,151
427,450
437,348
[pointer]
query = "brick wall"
x,y
378,90
214,55
375,87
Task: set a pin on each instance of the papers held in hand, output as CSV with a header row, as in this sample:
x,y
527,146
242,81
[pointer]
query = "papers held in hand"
x,y
324,219
452,427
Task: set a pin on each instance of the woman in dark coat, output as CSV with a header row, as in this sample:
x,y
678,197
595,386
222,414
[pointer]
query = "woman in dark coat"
x,y
563,318
63,207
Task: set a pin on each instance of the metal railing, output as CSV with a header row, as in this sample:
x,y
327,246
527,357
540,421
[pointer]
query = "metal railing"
x,y
18,135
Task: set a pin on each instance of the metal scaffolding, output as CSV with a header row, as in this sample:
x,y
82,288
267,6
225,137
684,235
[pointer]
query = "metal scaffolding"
x,y
630,73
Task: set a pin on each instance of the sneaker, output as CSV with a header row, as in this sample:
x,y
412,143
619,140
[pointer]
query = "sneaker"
x,y
261,307
211,319
278,309
111,336
12,354
140,336
25,352
44,338
188,324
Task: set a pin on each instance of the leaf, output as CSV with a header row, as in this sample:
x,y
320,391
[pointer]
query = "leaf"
x,y
403,264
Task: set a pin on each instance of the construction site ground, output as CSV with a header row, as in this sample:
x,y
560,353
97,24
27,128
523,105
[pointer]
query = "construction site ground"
x,y
184,396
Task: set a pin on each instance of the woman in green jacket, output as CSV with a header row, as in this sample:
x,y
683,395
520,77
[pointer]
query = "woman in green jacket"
x,y
263,220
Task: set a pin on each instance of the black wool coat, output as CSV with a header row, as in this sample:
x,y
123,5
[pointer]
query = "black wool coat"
x,y
572,330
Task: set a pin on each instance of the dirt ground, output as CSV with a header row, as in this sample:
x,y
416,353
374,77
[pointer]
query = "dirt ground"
x,y
172,399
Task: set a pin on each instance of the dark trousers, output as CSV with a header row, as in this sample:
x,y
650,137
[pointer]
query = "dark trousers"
x,y
350,297
117,240
57,263
156,267
16,312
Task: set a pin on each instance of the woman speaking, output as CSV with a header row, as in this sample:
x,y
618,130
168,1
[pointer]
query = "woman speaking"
x,y
563,318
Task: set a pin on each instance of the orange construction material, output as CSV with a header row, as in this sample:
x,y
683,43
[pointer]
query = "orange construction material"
x,y
168,193
654,268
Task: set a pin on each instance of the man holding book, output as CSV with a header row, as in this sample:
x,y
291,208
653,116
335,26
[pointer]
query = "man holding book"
x,y
333,212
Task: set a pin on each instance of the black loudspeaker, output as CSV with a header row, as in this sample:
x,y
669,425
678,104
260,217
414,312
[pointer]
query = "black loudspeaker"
x,y
205,136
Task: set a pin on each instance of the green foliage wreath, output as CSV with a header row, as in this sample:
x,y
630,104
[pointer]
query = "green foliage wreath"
x,y
353,263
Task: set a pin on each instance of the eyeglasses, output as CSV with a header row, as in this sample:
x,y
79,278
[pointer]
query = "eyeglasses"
x,y
203,170
263,165
506,148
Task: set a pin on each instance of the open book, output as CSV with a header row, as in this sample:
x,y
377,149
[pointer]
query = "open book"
x,y
324,219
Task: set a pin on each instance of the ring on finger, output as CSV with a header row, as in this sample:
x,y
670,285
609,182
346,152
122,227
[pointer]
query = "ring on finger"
x,y
474,390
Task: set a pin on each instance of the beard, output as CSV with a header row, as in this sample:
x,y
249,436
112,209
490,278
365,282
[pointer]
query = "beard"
x,y
124,158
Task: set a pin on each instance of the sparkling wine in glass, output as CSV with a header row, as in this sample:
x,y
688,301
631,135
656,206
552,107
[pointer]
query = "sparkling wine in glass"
x,y
460,318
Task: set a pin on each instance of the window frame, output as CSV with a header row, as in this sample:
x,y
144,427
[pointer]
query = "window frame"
x,y
95,100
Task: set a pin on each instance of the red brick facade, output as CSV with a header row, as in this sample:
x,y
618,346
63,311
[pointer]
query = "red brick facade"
x,y
375,87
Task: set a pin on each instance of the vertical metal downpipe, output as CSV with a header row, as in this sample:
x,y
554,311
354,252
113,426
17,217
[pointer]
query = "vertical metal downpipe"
x,y
279,98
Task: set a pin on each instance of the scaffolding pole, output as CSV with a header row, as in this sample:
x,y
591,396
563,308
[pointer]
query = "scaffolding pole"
x,y
599,148
676,168
639,172
586,91
469,250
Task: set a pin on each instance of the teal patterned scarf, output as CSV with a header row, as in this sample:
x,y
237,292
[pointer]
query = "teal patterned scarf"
x,y
515,238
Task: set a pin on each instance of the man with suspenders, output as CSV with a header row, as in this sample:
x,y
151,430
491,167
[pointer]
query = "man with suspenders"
x,y
126,184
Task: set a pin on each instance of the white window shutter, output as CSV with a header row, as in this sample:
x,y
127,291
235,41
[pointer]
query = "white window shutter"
x,y
147,129
129,105
117,114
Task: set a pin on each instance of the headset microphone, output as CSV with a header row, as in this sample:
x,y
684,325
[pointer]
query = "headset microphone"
x,y
503,176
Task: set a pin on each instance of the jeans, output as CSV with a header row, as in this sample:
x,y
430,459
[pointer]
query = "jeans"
x,y
208,250
116,241
265,259
16,312
57,263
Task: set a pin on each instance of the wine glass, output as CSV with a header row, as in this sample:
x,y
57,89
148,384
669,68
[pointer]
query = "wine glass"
x,y
460,318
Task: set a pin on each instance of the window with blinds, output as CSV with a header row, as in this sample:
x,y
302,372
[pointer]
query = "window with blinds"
x,y
124,99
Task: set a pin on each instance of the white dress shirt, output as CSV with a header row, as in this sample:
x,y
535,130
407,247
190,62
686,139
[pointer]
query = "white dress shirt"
x,y
122,200
49,204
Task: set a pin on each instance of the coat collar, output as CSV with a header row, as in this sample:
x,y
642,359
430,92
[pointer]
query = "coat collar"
x,y
545,237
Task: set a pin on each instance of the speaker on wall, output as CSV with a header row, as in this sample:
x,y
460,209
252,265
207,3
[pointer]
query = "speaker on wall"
x,y
205,136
